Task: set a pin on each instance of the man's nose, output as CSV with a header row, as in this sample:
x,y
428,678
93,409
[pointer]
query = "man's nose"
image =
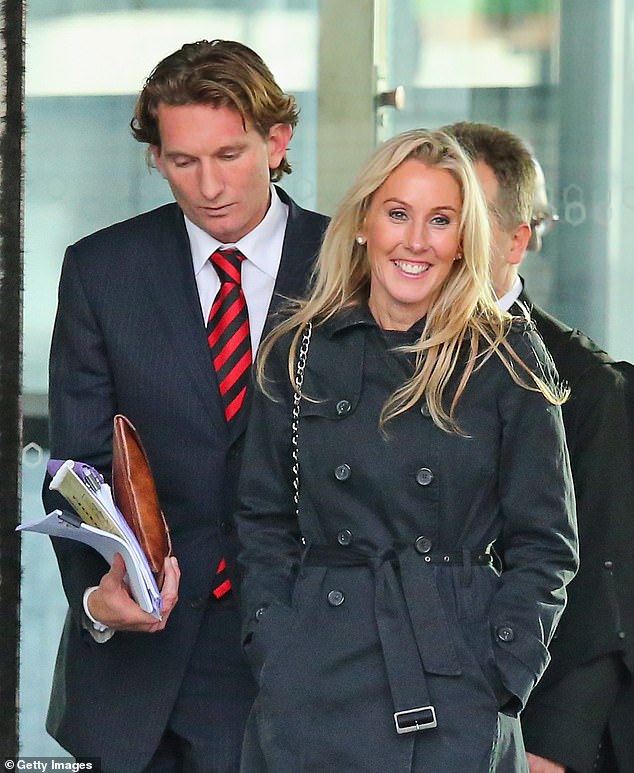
x,y
210,180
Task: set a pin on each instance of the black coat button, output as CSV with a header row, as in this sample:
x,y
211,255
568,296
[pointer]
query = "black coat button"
x,y
343,407
608,565
336,598
424,476
344,537
199,603
259,613
424,409
505,633
226,527
342,472
422,545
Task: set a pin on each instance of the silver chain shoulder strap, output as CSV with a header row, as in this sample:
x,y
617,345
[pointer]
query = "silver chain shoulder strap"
x,y
297,398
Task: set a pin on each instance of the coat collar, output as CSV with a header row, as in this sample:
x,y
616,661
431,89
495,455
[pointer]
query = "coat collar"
x,y
359,315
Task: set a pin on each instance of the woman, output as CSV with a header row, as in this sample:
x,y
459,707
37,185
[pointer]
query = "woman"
x,y
382,635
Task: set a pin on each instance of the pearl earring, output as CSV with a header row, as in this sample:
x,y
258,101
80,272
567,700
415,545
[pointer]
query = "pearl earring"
x,y
360,239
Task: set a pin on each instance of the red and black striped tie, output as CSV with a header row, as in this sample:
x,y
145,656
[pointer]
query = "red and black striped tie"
x,y
230,346
228,332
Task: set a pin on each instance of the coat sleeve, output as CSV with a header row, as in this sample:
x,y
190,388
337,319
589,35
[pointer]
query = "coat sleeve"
x,y
81,409
266,519
539,529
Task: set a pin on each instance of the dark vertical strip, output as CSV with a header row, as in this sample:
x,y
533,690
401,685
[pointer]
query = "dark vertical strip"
x,y
11,197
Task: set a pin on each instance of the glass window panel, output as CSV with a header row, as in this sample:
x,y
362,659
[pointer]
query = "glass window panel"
x,y
555,72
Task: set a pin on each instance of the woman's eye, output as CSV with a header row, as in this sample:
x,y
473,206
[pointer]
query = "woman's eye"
x,y
397,214
440,220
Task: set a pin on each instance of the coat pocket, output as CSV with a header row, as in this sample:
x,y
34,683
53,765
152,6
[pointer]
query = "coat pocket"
x,y
473,603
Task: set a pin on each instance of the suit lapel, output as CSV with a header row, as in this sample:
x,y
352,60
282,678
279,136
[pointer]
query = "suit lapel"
x,y
172,285
302,239
299,251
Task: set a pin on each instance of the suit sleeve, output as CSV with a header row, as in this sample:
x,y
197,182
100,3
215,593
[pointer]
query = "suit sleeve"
x,y
81,410
566,722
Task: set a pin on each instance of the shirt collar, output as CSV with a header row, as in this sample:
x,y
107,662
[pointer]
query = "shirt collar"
x,y
254,245
509,298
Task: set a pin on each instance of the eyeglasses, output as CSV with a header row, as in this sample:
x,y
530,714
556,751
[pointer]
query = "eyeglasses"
x,y
543,222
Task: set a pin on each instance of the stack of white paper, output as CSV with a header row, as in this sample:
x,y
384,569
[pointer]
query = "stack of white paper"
x,y
97,522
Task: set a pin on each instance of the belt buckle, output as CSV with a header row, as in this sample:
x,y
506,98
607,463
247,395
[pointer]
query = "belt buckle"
x,y
412,720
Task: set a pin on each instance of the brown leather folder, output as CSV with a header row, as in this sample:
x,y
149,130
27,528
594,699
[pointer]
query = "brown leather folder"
x,y
135,494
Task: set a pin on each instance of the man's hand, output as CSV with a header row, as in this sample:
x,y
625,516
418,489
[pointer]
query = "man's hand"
x,y
113,605
540,765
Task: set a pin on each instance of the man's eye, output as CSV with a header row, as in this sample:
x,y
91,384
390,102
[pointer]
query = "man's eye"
x,y
182,162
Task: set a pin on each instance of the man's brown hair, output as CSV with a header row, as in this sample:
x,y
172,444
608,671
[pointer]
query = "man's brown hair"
x,y
512,163
220,73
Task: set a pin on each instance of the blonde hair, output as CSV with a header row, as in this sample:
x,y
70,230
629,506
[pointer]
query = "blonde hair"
x,y
465,310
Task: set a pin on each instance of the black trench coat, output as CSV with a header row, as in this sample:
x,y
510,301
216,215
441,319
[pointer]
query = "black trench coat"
x,y
381,598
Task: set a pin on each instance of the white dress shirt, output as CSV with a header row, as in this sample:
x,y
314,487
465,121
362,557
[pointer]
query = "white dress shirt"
x,y
262,248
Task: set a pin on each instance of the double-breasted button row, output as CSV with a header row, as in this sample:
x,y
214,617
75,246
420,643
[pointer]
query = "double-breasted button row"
x,y
424,476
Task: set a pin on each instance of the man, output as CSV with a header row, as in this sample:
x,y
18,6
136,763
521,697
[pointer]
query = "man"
x,y
580,716
140,327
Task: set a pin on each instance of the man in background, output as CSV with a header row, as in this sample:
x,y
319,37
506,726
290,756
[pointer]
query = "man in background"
x,y
580,716
159,319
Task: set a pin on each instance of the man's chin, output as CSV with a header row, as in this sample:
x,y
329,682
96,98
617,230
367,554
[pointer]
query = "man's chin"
x,y
219,226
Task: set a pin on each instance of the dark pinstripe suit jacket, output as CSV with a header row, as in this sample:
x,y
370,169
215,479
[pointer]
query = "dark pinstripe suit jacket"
x,y
129,338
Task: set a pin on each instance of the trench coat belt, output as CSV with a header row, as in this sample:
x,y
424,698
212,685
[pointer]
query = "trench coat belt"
x,y
413,629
